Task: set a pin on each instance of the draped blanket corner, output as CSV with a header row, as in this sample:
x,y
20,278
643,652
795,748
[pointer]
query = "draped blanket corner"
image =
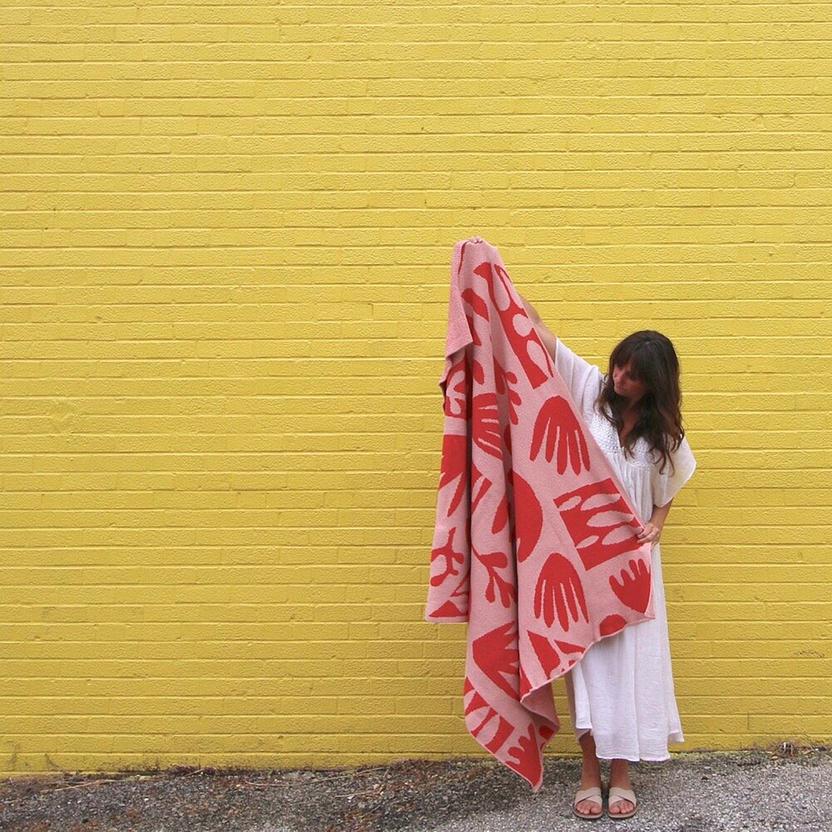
x,y
535,542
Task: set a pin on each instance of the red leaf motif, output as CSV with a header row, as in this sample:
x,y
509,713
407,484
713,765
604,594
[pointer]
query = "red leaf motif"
x,y
451,558
493,562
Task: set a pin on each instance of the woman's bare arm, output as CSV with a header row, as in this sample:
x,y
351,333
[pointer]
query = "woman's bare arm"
x,y
652,530
660,514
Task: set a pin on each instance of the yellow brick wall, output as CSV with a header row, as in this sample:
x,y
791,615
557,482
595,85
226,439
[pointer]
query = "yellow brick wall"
x,y
226,232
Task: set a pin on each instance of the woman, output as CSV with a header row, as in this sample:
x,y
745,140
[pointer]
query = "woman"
x,y
621,694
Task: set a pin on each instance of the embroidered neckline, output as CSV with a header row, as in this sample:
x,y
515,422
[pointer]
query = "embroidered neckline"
x,y
608,439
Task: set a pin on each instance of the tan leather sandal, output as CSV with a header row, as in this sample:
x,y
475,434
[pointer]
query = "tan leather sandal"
x,y
616,795
593,794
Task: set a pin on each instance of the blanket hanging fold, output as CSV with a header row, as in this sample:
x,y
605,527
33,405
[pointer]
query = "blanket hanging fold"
x,y
535,541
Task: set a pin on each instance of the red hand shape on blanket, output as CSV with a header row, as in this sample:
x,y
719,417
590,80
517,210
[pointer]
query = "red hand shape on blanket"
x,y
559,586
558,424
633,591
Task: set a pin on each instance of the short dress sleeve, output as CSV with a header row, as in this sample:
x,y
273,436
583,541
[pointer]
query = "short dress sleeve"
x,y
583,379
666,486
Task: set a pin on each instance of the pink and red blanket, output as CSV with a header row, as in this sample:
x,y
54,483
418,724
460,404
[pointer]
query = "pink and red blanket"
x,y
535,541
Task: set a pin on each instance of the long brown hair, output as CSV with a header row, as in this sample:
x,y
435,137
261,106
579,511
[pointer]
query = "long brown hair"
x,y
653,360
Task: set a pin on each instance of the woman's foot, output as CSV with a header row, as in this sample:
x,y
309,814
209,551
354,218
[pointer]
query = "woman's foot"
x,y
590,776
620,776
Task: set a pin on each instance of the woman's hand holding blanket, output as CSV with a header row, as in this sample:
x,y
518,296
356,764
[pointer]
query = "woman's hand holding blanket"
x,y
651,532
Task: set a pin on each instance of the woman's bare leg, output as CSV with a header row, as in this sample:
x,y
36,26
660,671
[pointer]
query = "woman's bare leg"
x,y
590,773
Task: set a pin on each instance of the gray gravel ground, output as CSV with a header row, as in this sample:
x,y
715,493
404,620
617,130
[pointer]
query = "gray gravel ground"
x,y
783,789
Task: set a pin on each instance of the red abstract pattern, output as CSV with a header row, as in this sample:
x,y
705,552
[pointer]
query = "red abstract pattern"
x,y
535,545
559,426
595,513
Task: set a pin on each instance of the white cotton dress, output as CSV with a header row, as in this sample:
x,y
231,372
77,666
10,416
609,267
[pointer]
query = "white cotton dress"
x,y
622,690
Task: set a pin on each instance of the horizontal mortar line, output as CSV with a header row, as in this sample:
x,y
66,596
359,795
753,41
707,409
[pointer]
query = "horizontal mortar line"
x,y
358,6
420,641
277,678
356,604
304,7
313,283
689,410
785,642
298,696
154,696
427,509
751,585
376,266
378,284
391,302
700,264
416,191
237,676
300,732
359,356
478,134
436,61
260,679
486,25
819,641
292,360
383,27
780,264
427,432
574,226
290,154
370,115
334,566
669,94
702,564
336,171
